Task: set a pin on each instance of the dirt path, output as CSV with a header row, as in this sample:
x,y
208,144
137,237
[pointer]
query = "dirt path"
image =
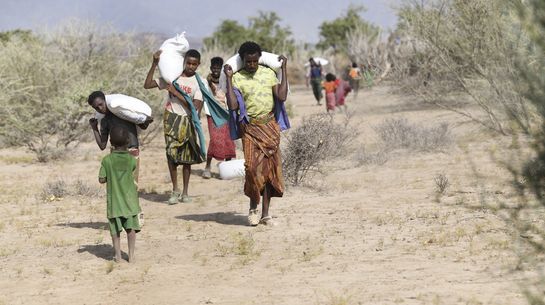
x,y
372,234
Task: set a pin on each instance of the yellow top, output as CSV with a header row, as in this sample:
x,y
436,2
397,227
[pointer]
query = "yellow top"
x,y
256,90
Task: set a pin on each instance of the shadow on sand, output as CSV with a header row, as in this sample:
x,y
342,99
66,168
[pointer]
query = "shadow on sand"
x,y
198,173
154,197
225,218
103,251
91,225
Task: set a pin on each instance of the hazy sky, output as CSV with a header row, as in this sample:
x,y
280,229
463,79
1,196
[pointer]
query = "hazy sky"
x,y
197,17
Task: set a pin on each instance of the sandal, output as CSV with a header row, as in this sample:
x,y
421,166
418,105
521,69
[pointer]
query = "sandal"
x,y
268,221
253,218
186,199
206,174
173,198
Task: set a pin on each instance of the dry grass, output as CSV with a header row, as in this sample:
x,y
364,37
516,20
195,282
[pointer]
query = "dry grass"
x,y
82,188
54,190
17,159
57,189
240,245
339,300
110,266
363,157
311,253
399,133
57,243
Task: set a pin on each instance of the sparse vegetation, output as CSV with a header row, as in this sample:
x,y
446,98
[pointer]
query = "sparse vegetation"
x,y
57,189
47,271
311,253
470,54
57,72
339,300
363,157
242,246
441,183
110,266
396,133
82,188
375,218
317,139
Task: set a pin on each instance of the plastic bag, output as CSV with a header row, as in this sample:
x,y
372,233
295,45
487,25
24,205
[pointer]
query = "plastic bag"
x,y
318,60
171,61
267,59
231,169
127,108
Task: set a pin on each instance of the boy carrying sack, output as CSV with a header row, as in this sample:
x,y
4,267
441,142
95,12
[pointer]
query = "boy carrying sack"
x,y
122,210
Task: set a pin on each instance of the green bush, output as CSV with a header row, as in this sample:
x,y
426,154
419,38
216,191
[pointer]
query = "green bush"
x,y
265,29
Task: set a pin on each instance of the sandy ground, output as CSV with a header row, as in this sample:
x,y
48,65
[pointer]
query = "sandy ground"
x,y
369,234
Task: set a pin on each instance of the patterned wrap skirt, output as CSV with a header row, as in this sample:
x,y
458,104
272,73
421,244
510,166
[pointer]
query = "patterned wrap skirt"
x,y
261,145
181,139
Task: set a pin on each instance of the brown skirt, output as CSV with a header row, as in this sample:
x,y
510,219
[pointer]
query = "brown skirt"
x,y
261,145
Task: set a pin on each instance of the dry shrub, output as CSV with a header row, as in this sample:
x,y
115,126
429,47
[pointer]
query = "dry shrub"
x,y
364,157
493,53
46,81
367,46
441,183
54,189
318,138
399,133
468,49
84,189
57,189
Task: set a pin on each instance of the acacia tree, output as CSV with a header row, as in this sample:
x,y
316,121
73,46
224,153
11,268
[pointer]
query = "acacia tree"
x,y
228,35
468,47
265,29
333,34
17,34
526,212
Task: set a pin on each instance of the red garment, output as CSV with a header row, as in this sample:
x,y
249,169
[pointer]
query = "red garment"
x,y
343,88
330,101
221,146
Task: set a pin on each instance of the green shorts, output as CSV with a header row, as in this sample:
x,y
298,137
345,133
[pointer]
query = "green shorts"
x,y
117,224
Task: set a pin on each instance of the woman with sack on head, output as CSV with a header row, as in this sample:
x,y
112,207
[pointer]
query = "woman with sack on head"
x,y
258,90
